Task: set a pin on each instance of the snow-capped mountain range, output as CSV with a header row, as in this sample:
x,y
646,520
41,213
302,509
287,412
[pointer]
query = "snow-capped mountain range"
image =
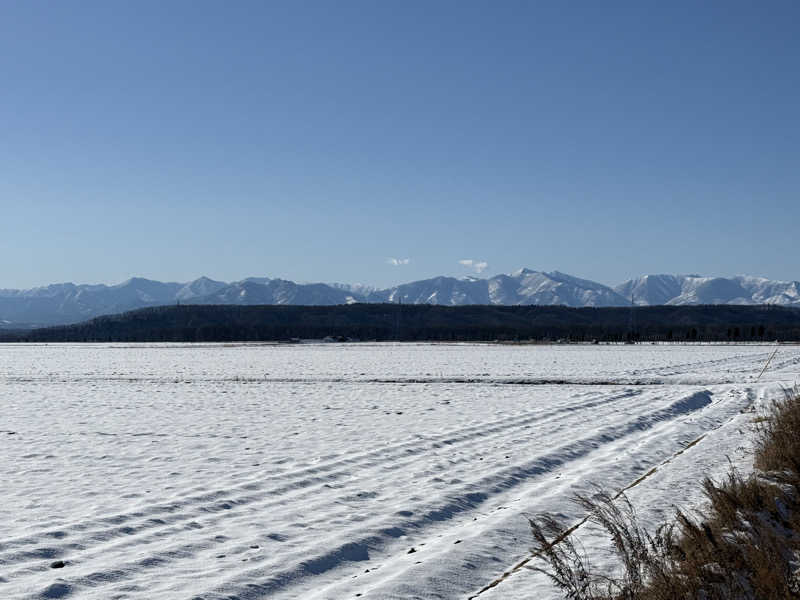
x,y
70,303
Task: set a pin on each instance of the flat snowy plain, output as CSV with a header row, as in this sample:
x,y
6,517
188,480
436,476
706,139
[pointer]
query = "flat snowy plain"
x,y
343,471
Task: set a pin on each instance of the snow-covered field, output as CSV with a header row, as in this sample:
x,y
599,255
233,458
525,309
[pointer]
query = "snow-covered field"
x,y
343,471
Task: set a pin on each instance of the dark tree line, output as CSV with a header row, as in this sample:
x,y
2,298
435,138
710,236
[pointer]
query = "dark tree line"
x,y
194,323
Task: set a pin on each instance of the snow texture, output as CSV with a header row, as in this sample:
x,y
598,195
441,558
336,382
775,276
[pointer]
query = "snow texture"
x,y
332,471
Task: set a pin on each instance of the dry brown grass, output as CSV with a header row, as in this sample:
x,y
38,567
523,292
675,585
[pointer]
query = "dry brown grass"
x,y
744,546
778,441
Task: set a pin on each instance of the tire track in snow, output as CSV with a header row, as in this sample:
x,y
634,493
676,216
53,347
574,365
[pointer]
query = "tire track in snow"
x,y
306,481
360,542
311,480
427,513
124,571
570,530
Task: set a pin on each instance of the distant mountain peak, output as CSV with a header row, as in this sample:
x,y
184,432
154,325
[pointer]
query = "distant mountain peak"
x,y
134,281
649,290
69,303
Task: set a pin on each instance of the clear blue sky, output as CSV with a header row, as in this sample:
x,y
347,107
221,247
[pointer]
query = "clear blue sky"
x,y
317,140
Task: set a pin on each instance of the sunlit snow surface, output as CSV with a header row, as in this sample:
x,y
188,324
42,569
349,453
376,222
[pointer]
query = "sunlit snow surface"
x,y
312,471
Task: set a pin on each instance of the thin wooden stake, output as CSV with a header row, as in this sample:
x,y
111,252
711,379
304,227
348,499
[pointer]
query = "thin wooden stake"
x,y
767,363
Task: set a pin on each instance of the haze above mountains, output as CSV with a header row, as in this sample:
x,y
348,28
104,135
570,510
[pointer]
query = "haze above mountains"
x,y
70,303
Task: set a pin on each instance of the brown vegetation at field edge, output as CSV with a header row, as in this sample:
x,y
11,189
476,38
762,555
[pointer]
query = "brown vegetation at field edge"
x,y
745,545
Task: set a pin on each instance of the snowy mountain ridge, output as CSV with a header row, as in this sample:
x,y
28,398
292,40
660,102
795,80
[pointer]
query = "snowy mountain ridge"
x,y
652,290
69,303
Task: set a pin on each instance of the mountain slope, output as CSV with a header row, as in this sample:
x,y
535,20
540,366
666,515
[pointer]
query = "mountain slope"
x,y
537,288
66,303
524,287
277,291
439,290
651,290
199,288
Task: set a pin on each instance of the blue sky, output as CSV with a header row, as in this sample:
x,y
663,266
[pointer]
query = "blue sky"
x,y
318,140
